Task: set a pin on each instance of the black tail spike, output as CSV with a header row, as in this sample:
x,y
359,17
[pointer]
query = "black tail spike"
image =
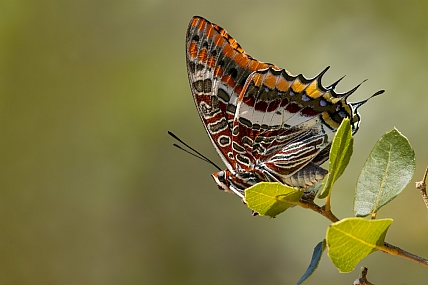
x,y
195,154
333,86
321,74
319,77
357,105
349,93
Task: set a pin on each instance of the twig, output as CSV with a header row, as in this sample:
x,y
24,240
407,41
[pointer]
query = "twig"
x,y
421,185
320,210
363,280
394,250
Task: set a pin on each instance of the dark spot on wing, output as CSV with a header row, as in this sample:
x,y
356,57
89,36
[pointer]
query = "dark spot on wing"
x,y
233,72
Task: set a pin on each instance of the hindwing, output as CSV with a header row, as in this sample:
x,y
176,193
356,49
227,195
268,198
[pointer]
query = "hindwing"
x,y
283,123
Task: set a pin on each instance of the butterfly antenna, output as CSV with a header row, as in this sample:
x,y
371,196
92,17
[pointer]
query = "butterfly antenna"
x,y
195,153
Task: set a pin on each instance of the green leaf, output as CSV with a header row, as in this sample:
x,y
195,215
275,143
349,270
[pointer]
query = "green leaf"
x,y
340,154
352,239
387,171
271,199
316,258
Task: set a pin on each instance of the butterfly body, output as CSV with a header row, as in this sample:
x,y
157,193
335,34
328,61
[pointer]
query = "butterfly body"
x,y
266,124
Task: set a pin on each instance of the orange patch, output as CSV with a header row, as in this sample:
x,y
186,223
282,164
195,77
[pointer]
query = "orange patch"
x,y
298,86
232,42
228,80
228,50
327,96
257,79
329,121
241,59
253,65
202,56
218,71
218,41
282,84
201,25
211,62
262,65
210,31
313,91
194,21
270,80
193,50
238,89
223,32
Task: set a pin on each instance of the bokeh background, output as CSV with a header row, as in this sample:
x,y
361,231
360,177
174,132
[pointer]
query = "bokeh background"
x,y
92,192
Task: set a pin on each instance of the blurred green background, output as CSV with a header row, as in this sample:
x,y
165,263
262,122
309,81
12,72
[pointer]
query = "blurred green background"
x,y
92,192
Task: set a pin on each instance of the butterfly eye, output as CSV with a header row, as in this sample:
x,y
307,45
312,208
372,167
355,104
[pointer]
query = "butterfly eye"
x,y
222,177
221,180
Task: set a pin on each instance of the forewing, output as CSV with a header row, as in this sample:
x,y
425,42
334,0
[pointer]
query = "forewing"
x,y
217,67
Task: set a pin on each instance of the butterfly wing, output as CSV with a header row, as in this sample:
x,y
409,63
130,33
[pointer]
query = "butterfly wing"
x,y
263,121
217,67
284,126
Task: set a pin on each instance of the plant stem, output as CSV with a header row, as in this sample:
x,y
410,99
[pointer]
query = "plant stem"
x,y
327,203
320,210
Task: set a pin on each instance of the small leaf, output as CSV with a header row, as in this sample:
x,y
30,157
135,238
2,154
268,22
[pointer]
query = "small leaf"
x,y
387,171
316,258
340,154
352,239
271,199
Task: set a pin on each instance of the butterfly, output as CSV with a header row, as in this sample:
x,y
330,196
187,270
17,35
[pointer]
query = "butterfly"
x,y
265,123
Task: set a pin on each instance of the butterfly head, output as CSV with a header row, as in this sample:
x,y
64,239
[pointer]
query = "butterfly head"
x,y
221,180
234,182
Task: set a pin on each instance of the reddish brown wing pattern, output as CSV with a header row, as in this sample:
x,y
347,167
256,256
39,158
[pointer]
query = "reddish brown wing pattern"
x,y
279,128
217,67
284,126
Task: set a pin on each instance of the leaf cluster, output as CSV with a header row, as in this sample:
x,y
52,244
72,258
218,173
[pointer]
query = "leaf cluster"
x,y
386,172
